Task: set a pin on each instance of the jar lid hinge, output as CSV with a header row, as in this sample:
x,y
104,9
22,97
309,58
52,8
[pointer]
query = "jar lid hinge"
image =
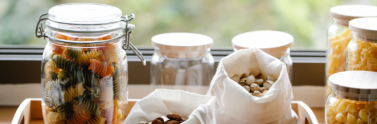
x,y
39,32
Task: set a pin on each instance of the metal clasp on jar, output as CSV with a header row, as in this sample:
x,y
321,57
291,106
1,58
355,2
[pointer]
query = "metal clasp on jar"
x,y
39,32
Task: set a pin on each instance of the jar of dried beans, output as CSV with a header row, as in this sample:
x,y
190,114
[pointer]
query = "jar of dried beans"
x,y
84,66
353,98
339,35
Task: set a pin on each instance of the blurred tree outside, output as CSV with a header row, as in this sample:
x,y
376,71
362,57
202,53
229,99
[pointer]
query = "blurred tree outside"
x,y
306,20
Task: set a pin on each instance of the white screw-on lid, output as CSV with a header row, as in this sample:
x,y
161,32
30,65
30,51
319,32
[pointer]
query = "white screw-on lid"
x,y
184,45
355,85
84,13
344,13
365,28
274,43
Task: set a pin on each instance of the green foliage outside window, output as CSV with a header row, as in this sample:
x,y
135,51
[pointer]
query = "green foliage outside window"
x,y
306,20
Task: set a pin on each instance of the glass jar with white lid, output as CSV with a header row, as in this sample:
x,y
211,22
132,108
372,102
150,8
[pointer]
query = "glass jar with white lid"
x,y
182,59
275,43
353,98
339,35
84,64
362,50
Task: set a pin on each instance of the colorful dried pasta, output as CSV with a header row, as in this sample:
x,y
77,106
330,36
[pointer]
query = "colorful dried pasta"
x,y
117,82
64,110
73,92
79,78
111,53
96,120
46,96
79,117
49,67
89,105
95,54
50,76
62,63
100,68
110,114
73,53
54,118
56,89
90,78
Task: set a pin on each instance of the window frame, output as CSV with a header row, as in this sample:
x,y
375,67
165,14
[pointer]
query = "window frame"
x,y
308,65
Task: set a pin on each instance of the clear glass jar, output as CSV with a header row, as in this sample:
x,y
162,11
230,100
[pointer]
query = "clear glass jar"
x,y
353,98
362,50
339,36
84,65
182,59
275,43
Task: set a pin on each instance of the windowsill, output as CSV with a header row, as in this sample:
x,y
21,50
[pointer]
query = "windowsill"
x,y
308,66
313,96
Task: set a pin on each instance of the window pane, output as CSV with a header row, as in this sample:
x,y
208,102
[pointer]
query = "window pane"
x,y
306,20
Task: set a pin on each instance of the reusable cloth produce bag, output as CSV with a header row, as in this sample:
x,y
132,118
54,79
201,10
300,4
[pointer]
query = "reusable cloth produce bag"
x,y
235,105
162,102
226,101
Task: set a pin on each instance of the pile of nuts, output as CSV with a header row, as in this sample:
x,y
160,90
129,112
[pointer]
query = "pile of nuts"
x,y
173,119
254,83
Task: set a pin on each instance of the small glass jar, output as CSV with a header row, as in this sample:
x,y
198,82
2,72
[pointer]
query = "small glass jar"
x,y
362,50
84,65
275,43
339,35
353,98
182,59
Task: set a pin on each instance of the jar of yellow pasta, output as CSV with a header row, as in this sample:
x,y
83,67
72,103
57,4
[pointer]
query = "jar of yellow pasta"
x,y
362,50
275,43
339,35
353,98
84,66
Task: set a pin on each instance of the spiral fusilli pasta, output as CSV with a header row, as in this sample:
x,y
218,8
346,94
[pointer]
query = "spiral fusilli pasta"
x,y
95,54
73,53
64,77
73,92
46,96
102,69
96,120
94,91
64,110
56,90
79,117
57,49
117,82
64,74
90,106
111,53
63,63
54,118
110,115
49,67
90,78
51,76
